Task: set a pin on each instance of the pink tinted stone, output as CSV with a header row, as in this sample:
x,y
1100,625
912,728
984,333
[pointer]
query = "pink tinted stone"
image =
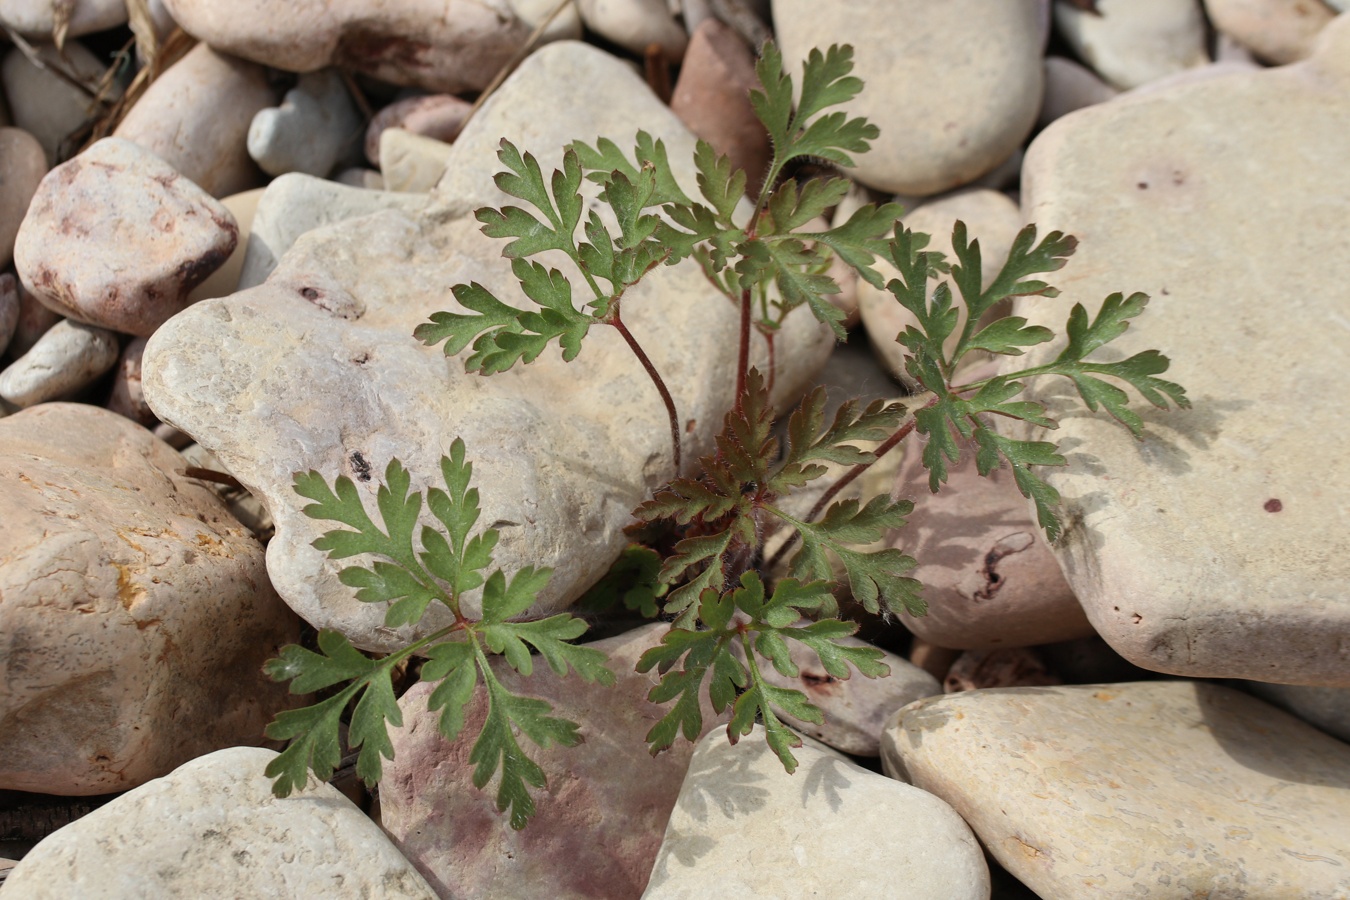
x,y
116,238
438,116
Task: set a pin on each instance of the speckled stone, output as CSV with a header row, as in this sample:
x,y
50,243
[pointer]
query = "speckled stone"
x,y
744,828
1220,544
598,825
212,828
1147,789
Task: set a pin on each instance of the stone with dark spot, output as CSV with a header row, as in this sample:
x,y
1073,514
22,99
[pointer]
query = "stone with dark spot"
x,y
598,825
116,238
135,612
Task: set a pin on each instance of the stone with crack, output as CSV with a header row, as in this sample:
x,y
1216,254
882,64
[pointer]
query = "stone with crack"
x,y
317,368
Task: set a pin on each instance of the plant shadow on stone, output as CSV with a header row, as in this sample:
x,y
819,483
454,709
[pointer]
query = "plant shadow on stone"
x,y
707,573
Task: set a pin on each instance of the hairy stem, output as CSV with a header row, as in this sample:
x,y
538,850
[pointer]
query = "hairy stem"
x,y
655,376
743,353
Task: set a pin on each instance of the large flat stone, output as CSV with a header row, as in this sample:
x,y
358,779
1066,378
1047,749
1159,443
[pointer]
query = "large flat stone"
x,y
1220,545
1147,789
317,368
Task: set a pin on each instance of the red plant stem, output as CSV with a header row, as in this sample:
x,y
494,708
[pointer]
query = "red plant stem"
x,y
885,447
656,380
743,355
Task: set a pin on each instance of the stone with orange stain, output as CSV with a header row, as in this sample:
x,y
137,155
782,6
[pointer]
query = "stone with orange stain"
x,y
116,238
598,825
1157,789
135,612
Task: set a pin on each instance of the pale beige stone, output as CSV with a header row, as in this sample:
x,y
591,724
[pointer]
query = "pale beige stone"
x,y
1133,42
1277,31
196,116
43,103
743,827
1070,86
225,280
311,131
597,827
116,238
411,163
22,165
68,356
1148,789
305,371
447,47
438,116
35,320
953,86
135,613
212,828
991,217
38,18
1220,545
636,24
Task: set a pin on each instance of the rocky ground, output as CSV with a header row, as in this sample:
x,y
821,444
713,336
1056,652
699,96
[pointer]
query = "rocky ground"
x,y
219,225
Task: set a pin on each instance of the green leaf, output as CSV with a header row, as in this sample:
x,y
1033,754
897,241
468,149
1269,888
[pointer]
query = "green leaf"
x,y
825,82
634,578
1007,335
807,442
1020,456
861,239
799,273
719,184
453,664
549,637
789,209
824,638
458,330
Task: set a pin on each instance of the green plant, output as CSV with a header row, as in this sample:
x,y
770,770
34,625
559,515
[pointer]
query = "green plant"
x,y
769,260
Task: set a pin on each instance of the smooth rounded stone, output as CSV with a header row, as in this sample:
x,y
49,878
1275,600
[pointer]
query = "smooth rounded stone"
x,y
1069,87
212,828
43,103
68,356
22,165
315,126
1159,551
197,115
368,179
295,204
635,25
1152,789
855,708
411,163
116,238
566,24
127,399
1327,708
35,320
1199,73
404,42
988,575
743,827
38,18
953,86
598,825
976,670
1133,42
437,116
135,613
991,217
9,308
1277,31
712,99
301,372
225,280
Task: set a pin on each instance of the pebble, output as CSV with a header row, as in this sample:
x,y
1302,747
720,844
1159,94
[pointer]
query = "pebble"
x,y
989,577
635,25
1161,554
712,99
37,18
1326,708
293,205
22,165
438,116
743,827
116,238
136,612
41,102
9,309
315,127
225,280
68,356
855,708
976,670
598,824
212,828
954,86
1134,42
566,24
403,42
1153,789
1069,87
991,217
127,399
411,163
196,116
342,304
1277,31
35,320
